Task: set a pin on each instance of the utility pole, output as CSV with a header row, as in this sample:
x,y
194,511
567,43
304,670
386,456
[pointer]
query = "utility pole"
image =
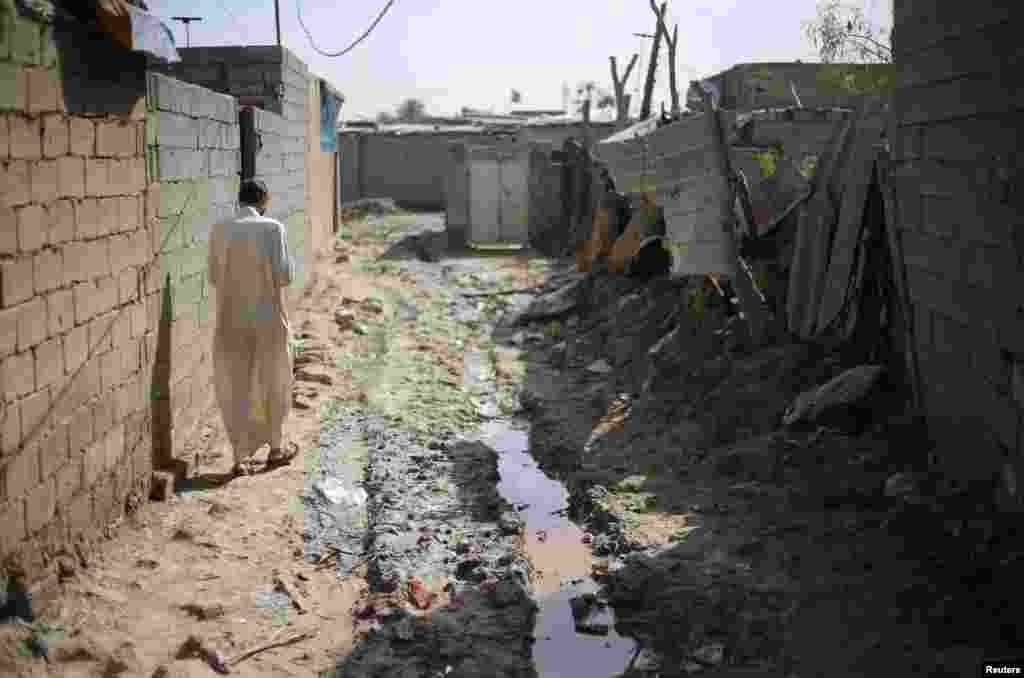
x,y
277,20
187,20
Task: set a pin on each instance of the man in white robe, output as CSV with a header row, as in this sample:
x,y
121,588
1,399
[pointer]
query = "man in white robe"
x,y
249,267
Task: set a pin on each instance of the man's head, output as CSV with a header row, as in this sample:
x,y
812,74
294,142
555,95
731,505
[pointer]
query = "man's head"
x,y
253,193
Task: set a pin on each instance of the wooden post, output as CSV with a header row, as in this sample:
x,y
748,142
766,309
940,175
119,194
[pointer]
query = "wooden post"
x,y
751,300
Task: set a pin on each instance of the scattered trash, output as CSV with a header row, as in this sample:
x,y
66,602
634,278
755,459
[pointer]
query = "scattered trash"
x,y
334,491
297,599
590,615
196,647
419,595
273,600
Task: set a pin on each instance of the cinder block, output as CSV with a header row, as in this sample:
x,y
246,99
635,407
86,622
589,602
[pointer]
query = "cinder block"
x,y
49,362
97,258
76,348
8,230
13,87
180,164
48,269
97,177
169,94
40,504
33,412
25,138
85,301
15,182
83,136
45,91
130,213
116,139
56,140
172,130
80,514
127,175
68,480
106,294
53,451
12,524
60,221
76,261
31,228
9,319
87,218
60,312
32,323
80,430
44,180
16,281
103,414
223,163
71,177
109,217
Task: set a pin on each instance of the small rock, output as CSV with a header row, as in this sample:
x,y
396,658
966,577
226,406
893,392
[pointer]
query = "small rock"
x,y
418,594
204,611
599,367
900,485
710,655
510,523
404,629
647,660
508,592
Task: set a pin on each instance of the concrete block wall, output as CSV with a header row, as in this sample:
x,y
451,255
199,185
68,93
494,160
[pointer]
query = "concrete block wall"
x,y
192,151
407,168
75,332
281,163
957,177
275,81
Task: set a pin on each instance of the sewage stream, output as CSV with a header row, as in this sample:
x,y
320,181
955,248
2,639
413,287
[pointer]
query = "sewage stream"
x,y
566,646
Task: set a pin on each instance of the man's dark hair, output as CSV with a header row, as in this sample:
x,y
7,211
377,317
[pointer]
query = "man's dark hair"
x,y
251,192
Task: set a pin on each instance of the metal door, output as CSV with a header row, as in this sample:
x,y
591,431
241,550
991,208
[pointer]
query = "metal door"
x,y
485,196
513,225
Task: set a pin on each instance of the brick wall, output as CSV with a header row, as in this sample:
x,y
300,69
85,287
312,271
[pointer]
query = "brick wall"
x,y
192,149
957,180
74,355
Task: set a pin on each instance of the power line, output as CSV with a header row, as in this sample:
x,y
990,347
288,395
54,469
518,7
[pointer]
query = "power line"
x,y
312,43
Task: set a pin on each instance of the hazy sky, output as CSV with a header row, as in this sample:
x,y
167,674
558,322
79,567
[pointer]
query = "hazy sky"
x,y
454,53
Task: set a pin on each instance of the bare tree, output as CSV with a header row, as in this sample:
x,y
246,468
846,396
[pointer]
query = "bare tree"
x,y
411,110
621,100
671,43
652,67
841,32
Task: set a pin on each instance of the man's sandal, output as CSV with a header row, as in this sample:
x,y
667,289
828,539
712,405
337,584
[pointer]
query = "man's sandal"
x,y
282,456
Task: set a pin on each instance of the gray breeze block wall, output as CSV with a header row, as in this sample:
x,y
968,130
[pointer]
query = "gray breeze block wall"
x,y
192,148
274,80
409,168
957,180
281,163
76,337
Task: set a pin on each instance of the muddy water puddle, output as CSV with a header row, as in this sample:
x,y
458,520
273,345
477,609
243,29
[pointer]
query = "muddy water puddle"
x,y
569,643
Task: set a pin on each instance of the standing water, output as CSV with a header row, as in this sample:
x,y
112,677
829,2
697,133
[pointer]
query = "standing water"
x,y
579,642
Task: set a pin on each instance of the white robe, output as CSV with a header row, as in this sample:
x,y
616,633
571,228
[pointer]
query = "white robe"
x,y
248,267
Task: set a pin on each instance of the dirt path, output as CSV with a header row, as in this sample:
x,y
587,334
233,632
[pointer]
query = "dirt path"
x,y
213,561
